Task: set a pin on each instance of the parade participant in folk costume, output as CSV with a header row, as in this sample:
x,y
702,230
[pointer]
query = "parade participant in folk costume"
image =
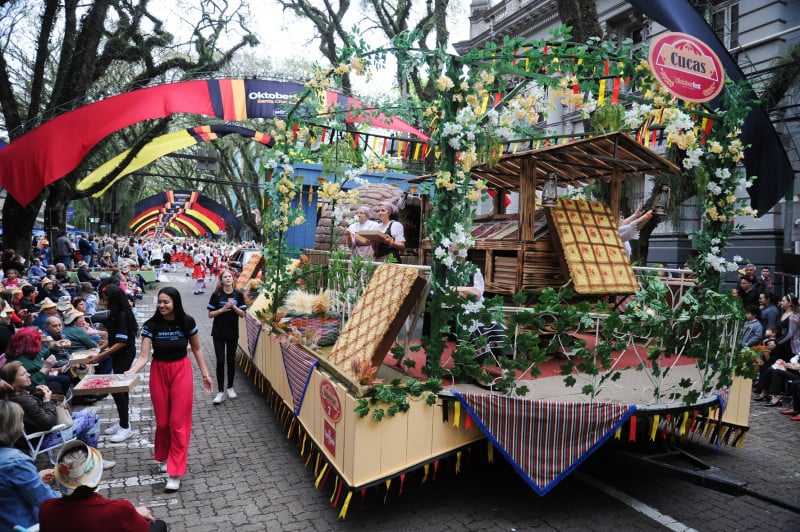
x,y
360,245
167,335
226,306
394,240
199,272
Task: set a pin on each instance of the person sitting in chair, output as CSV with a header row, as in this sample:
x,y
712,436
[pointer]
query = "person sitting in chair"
x,y
77,472
23,489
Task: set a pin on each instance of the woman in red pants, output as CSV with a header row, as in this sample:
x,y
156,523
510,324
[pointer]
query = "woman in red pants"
x,y
167,333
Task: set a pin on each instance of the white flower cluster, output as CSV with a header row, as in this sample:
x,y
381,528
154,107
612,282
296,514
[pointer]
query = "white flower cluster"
x,y
720,264
454,245
461,133
522,112
635,116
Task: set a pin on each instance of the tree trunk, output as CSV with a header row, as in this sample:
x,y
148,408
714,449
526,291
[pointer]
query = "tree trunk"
x,y
17,236
55,214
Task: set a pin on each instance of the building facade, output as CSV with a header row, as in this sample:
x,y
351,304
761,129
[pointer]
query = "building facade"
x,y
758,33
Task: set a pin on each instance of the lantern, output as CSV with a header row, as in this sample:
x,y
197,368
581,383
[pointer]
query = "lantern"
x,y
661,201
550,190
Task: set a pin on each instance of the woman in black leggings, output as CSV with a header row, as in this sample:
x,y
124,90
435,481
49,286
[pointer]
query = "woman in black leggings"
x,y
121,349
225,306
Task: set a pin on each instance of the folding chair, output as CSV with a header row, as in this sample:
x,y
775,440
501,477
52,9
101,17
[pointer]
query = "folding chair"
x,y
36,441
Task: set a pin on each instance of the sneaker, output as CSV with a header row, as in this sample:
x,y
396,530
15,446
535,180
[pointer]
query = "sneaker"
x,y
173,483
162,466
108,464
122,435
231,393
110,431
219,398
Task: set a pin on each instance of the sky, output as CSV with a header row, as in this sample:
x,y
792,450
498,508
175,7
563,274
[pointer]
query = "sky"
x,y
283,35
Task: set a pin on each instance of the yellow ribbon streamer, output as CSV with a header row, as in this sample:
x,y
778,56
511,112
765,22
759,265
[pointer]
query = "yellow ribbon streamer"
x,y
654,427
335,487
321,474
458,462
601,96
456,413
346,505
427,469
490,453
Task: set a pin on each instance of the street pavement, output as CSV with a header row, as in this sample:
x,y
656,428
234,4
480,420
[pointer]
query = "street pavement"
x,y
244,474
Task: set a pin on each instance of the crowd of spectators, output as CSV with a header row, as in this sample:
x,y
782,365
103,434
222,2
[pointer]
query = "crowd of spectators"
x,y
772,328
58,303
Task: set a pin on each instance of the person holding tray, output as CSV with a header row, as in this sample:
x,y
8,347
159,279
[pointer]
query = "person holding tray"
x,y
118,354
394,240
167,334
360,245
225,306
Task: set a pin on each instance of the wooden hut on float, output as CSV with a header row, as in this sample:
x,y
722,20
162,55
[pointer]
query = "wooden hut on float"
x,y
530,249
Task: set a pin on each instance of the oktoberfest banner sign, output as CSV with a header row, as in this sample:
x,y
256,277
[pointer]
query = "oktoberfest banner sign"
x,y
54,149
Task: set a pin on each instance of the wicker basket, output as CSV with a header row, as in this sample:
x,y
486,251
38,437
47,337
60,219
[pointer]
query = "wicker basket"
x,y
327,327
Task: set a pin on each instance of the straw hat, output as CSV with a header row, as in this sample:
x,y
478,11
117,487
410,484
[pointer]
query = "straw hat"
x,y
72,315
82,264
125,269
46,281
64,303
47,303
78,465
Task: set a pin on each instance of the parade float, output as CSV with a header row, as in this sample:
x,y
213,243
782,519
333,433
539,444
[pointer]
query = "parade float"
x,y
593,352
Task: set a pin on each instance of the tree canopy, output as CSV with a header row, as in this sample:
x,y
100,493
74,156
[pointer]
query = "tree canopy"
x,y
84,52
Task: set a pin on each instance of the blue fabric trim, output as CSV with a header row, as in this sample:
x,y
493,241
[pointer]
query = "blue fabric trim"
x,y
211,307
718,429
541,491
255,343
305,388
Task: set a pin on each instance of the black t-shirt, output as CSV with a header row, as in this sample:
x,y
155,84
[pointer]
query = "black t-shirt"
x,y
226,325
170,338
122,329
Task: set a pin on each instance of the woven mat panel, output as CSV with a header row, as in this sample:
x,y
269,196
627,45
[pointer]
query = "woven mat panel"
x,y
378,317
299,366
544,441
253,327
590,247
249,270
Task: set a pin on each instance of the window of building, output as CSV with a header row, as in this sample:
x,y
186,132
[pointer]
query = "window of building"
x,y
725,22
631,26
